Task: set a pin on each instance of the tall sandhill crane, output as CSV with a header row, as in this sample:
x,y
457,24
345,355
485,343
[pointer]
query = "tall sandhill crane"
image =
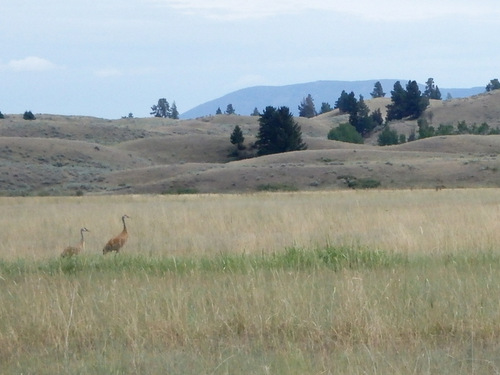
x,y
75,250
116,243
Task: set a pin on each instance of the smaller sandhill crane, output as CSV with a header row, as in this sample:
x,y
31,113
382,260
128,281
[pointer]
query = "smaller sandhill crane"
x,y
116,243
75,250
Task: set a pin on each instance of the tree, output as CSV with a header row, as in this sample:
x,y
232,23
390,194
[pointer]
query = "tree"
x,y
346,103
278,132
406,103
174,113
28,115
162,109
431,91
396,110
237,137
230,110
493,85
415,102
325,107
377,116
1,115
377,92
360,119
255,112
345,133
306,107
218,112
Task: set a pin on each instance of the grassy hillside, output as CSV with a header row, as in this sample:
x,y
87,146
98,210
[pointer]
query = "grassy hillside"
x,y
67,155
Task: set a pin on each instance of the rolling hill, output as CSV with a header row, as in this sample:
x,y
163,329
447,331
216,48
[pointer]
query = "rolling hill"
x,y
68,155
246,100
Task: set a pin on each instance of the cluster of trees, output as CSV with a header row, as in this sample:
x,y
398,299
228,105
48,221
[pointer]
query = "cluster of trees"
x,y
163,109
28,115
406,103
229,110
308,109
425,130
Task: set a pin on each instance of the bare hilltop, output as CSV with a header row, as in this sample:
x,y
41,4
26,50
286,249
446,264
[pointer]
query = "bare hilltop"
x,y
72,155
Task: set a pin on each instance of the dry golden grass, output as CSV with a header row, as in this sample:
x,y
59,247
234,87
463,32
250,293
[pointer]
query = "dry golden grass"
x,y
68,155
435,312
406,221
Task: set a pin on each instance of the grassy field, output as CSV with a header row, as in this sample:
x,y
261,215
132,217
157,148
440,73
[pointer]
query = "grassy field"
x,y
350,282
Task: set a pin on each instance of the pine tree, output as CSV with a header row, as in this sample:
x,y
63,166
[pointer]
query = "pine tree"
x,y
431,91
174,113
237,137
162,109
278,132
377,92
306,107
493,85
326,107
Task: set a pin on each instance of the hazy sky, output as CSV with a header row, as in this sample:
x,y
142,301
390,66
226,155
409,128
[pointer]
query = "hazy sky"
x,y
112,57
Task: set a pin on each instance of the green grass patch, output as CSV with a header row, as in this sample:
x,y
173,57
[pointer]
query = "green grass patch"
x,y
335,258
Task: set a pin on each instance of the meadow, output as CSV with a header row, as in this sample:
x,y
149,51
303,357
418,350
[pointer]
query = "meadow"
x,y
339,282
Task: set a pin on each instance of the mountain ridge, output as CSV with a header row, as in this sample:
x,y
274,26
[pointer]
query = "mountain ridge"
x,y
245,100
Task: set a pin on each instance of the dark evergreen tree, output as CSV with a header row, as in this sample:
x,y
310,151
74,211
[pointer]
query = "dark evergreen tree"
x,y
406,103
396,110
376,116
162,109
378,91
278,132
325,107
431,90
237,137
218,112
230,110
415,102
347,103
255,112
493,85
307,108
28,115
174,113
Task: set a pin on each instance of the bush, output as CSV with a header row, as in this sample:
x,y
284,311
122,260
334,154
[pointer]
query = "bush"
x,y
345,133
388,137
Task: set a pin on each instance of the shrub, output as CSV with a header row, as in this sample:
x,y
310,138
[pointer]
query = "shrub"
x,y
388,137
345,133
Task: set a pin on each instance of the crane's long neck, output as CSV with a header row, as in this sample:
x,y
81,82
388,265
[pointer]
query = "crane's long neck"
x,y
82,241
124,226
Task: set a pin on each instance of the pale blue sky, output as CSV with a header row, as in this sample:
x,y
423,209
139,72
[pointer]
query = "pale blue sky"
x,y
111,57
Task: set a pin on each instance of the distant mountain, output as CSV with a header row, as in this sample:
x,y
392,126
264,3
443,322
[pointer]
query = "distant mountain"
x,y
244,101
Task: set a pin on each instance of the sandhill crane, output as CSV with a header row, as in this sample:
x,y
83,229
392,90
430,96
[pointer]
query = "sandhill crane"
x,y
75,250
116,243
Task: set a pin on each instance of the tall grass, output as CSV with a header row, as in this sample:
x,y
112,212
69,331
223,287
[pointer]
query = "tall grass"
x,y
322,297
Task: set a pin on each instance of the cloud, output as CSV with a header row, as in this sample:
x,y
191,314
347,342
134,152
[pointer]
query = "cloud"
x,y
382,10
29,64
